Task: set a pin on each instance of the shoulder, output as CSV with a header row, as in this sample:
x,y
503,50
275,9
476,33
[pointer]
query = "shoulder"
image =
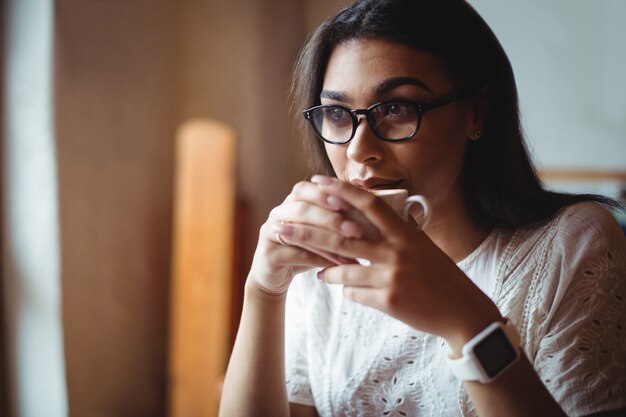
x,y
582,244
573,233
587,227
588,218
585,249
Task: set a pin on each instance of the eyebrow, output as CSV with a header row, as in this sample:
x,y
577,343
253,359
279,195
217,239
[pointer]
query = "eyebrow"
x,y
333,95
380,89
392,83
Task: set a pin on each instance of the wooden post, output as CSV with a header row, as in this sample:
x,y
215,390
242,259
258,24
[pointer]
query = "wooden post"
x,y
202,267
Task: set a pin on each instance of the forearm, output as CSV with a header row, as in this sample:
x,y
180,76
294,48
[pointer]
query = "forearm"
x,y
515,393
255,381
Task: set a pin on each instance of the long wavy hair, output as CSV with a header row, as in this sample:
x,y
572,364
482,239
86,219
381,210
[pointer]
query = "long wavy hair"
x,y
501,187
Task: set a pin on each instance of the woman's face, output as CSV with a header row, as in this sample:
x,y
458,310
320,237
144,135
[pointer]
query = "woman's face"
x,y
364,72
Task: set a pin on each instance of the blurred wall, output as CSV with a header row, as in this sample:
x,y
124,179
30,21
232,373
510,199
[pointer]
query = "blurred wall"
x,y
235,60
116,71
127,74
569,60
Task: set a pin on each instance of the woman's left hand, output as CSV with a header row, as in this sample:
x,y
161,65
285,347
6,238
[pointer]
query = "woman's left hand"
x,y
409,278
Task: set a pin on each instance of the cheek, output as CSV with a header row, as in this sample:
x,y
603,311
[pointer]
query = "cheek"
x,y
443,155
433,164
443,142
337,157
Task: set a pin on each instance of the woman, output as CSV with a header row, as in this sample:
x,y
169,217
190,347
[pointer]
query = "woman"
x,y
510,302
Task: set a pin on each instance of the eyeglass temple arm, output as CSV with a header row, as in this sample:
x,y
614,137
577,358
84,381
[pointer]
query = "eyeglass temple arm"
x,y
460,94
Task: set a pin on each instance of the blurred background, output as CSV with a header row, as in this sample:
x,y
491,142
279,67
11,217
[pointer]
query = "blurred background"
x,y
96,289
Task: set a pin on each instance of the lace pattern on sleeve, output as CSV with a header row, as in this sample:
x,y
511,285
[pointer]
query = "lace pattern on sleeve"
x,y
568,297
589,351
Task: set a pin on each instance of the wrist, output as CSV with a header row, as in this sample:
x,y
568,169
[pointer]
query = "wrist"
x,y
253,289
471,326
488,354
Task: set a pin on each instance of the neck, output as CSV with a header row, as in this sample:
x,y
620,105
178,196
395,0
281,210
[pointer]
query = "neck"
x,y
453,230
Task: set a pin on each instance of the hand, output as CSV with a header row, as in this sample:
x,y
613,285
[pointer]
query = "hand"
x,y
410,278
275,262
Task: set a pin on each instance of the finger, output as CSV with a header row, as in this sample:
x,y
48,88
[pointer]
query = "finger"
x,y
279,239
376,210
307,191
285,253
309,205
369,296
320,240
304,212
329,256
306,196
295,256
352,275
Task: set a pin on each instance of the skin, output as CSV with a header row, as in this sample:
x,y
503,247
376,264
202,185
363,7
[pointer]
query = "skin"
x,y
413,276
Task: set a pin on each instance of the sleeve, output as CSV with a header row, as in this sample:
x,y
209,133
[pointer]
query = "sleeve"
x,y
581,357
296,358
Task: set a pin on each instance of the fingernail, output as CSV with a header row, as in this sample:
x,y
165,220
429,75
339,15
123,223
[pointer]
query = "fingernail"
x,y
337,203
284,229
350,228
321,179
364,262
320,275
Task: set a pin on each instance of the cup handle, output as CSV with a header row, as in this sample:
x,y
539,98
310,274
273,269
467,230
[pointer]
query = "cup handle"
x,y
423,202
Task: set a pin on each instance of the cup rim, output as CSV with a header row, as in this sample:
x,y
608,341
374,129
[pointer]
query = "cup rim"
x,y
390,192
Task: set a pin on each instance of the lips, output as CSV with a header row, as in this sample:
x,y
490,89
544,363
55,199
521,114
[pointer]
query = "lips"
x,y
374,183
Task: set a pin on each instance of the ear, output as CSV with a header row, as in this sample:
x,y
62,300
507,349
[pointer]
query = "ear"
x,y
477,114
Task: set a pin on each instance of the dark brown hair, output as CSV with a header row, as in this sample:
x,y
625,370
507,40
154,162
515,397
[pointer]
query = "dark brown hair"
x,y
501,188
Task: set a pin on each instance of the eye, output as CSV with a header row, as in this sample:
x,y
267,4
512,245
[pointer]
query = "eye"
x,y
337,116
394,109
397,111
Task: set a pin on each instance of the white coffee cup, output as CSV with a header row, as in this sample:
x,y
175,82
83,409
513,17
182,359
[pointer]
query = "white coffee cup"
x,y
401,203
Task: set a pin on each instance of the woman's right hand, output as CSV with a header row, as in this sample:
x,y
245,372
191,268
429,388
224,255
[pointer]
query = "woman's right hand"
x,y
275,263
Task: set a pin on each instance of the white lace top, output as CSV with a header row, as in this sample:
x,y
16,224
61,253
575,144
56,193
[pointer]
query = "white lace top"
x,y
563,285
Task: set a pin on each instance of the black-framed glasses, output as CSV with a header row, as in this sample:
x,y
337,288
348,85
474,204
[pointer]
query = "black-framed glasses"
x,y
391,121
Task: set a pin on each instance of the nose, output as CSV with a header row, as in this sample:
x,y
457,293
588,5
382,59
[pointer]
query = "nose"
x,y
365,146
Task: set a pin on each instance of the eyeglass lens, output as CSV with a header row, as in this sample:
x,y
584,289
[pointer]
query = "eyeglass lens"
x,y
391,121
333,123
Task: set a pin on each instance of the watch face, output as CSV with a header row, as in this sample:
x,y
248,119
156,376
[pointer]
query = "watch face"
x,y
495,352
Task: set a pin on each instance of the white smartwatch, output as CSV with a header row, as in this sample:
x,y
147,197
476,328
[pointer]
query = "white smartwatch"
x,y
488,354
